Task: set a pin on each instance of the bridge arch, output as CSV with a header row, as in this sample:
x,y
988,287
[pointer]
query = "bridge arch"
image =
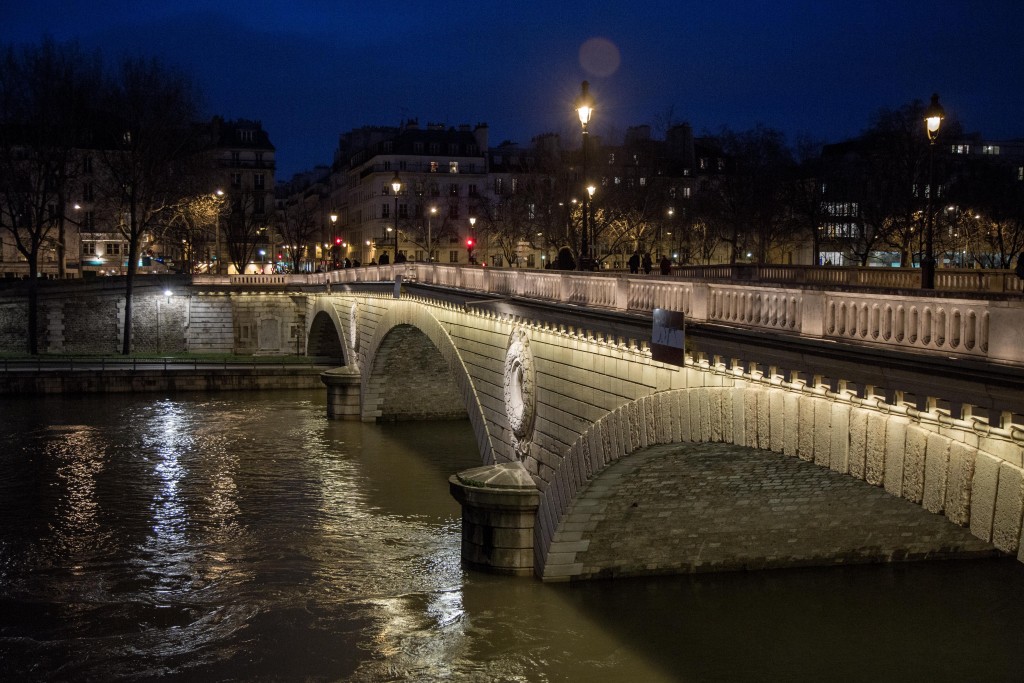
x,y
325,332
948,470
407,322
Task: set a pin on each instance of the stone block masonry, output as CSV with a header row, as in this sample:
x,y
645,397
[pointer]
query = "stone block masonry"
x,y
685,508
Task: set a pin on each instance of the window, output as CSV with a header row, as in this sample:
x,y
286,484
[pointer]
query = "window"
x,y
259,204
433,167
453,211
236,180
961,149
643,181
388,146
259,158
387,165
87,164
990,149
236,158
453,149
453,256
245,135
113,248
498,185
88,220
87,194
611,158
453,167
89,248
472,190
702,164
686,192
385,210
403,210
258,181
515,185
1020,173
435,148
417,148
453,190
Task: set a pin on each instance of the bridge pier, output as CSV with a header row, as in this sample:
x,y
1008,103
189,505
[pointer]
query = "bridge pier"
x,y
343,385
499,505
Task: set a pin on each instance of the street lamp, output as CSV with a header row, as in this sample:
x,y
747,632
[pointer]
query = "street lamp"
x,y
933,116
433,212
585,109
219,196
396,185
591,189
334,231
472,238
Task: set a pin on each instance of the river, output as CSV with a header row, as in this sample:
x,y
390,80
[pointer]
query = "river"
x,y
243,536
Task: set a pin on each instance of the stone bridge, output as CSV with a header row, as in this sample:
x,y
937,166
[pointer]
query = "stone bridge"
x,y
566,418
554,409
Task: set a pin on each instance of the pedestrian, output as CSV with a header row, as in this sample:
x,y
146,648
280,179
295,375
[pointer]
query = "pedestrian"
x,y
634,263
665,265
383,260
648,265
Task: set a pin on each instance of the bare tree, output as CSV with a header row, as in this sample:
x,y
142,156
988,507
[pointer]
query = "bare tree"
x,y
151,111
44,91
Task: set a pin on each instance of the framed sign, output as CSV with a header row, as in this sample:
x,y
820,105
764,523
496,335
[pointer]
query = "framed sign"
x,y
668,336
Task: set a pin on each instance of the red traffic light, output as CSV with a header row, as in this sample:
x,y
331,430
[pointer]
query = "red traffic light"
x,y
469,242
337,240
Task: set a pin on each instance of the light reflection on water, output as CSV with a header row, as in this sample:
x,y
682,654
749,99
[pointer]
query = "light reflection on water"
x,y
247,537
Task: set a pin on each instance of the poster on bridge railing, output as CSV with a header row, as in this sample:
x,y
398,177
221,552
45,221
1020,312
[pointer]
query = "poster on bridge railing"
x,y
668,337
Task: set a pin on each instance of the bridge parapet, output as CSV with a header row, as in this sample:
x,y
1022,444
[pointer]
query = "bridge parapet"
x,y
984,326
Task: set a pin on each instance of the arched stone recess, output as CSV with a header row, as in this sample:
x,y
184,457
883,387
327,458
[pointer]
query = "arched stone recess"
x,y
972,476
405,313
326,332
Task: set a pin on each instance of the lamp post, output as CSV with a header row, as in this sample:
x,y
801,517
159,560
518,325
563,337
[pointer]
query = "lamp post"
x,y
585,109
933,116
591,189
396,185
219,196
433,212
471,242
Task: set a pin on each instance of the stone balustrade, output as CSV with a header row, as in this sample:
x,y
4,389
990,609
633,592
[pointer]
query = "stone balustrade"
x,y
845,304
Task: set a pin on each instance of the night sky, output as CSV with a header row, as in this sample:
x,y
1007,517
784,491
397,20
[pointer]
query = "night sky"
x,y
311,69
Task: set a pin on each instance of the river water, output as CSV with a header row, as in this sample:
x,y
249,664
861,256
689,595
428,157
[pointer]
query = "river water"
x,y
246,537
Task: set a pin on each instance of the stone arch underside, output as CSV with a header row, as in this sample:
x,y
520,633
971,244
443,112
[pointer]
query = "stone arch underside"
x,y
405,323
325,336
324,340
706,507
891,452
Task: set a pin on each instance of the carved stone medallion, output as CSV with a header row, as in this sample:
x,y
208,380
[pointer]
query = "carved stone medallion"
x,y
520,398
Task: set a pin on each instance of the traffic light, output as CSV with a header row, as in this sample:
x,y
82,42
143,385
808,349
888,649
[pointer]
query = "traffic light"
x,y
337,240
470,242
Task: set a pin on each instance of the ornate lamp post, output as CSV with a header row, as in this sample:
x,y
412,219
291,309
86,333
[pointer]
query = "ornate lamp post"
x,y
933,116
396,186
585,109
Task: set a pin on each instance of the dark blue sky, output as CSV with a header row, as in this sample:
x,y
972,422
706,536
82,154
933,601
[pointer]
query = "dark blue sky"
x,y
310,69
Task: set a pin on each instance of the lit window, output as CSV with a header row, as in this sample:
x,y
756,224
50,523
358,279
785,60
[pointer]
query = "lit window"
x,y
990,149
433,167
453,167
